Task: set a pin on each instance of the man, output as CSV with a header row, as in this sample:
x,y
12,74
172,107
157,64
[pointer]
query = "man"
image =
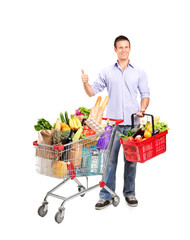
x,y
123,81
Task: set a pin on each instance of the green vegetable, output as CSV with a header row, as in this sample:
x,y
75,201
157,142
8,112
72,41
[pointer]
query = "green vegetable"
x,y
122,136
85,111
161,126
66,118
42,124
62,118
129,133
64,136
77,134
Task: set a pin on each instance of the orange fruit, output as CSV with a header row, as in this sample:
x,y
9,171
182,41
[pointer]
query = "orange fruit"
x,y
147,134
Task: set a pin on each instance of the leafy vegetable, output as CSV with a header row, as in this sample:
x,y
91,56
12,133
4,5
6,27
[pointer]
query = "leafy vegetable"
x,y
84,111
129,133
78,112
161,126
42,124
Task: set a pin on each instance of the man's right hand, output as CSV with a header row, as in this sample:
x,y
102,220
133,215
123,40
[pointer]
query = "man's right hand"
x,y
84,77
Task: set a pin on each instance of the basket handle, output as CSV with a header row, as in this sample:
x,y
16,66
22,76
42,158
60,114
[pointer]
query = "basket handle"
x,y
144,114
117,121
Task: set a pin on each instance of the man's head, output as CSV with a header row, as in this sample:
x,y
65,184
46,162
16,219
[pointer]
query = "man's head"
x,y
122,47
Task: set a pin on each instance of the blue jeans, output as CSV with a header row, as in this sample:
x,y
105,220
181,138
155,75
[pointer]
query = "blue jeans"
x,y
129,169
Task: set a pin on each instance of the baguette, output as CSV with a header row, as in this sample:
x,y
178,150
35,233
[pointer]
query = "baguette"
x,y
98,101
105,102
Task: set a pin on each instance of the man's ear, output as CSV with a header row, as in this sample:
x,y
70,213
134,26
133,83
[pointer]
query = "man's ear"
x,y
115,49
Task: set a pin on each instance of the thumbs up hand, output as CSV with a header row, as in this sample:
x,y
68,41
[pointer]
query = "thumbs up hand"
x,y
84,77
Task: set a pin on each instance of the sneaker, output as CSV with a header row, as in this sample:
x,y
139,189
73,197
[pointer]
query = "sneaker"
x,y
131,201
102,203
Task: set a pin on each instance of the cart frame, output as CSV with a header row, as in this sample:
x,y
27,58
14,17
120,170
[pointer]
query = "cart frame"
x,y
82,190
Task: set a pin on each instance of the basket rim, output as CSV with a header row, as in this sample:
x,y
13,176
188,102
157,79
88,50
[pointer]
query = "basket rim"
x,y
138,144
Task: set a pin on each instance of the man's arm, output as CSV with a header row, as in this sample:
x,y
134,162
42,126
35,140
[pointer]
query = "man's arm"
x,y
144,92
144,104
87,87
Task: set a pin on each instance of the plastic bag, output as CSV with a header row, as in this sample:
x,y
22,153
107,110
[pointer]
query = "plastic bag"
x,y
103,141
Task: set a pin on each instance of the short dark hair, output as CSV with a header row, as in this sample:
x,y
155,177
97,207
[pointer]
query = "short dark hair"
x,y
121,38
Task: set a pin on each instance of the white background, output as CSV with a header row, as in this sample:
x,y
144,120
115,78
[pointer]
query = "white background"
x,y
43,46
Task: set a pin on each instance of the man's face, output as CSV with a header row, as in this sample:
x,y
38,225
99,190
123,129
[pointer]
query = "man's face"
x,y
122,49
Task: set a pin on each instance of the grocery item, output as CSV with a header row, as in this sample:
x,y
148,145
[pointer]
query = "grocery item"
x,y
105,102
104,139
91,160
75,154
140,132
57,137
98,101
87,131
59,169
147,134
76,137
145,130
97,111
66,118
161,126
65,135
42,124
95,163
83,111
45,137
64,127
58,124
94,125
74,123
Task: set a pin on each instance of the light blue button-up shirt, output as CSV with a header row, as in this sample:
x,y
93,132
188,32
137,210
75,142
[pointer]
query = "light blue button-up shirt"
x,y
123,88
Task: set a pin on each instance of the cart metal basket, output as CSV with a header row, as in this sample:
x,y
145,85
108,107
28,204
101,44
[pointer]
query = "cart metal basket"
x,y
86,157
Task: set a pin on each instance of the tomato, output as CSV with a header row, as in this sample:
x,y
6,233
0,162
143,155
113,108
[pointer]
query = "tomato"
x,y
130,139
92,132
86,127
86,131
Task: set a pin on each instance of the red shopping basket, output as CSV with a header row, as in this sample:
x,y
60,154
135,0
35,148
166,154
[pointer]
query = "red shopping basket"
x,y
146,149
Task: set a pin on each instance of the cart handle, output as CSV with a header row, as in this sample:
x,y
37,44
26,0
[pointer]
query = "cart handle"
x,y
35,143
117,121
144,114
58,148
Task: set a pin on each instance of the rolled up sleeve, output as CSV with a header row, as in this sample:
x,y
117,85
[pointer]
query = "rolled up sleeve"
x,y
143,85
100,83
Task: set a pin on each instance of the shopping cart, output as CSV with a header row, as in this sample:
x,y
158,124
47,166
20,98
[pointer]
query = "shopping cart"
x,y
83,158
147,149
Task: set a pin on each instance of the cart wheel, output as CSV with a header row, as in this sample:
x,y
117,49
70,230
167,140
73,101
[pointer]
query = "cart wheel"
x,y
42,211
81,189
116,201
59,217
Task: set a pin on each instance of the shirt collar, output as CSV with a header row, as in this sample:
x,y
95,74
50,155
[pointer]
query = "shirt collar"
x,y
130,64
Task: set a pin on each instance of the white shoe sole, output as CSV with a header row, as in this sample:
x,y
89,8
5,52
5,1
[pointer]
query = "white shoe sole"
x,y
132,205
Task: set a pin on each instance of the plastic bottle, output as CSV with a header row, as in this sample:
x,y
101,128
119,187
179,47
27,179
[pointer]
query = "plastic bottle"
x,y
86,159
95,160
